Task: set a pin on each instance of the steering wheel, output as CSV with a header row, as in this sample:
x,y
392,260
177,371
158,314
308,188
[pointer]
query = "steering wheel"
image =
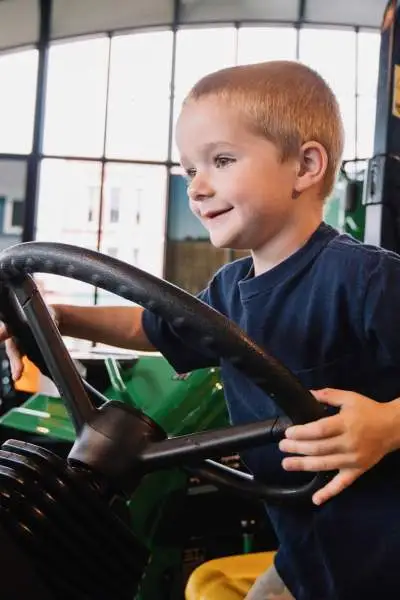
x,y
118,443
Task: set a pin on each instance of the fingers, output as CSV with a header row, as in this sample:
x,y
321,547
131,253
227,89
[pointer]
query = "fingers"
x,y
334,397
328,444
319,447
14,356
323,428
340,482
15,359
330,396
318,463
3,332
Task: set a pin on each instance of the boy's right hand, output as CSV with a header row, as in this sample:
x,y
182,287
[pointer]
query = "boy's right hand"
x,y
14,355
12,350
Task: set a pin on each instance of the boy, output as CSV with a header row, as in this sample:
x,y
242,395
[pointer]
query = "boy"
x,y
261,145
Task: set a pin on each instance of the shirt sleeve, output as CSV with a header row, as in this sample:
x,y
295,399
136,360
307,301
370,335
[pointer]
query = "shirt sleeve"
x,y
181,356
382,310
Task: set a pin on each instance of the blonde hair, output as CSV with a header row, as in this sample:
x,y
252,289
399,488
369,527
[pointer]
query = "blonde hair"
x,y
287,102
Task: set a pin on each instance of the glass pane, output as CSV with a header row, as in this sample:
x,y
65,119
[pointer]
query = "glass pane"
x,y
133,220
68,212
12,201
332,53
182,224
139,97
76,98
18,77
198,52
348,109
368,62
188,243
366,115
259,44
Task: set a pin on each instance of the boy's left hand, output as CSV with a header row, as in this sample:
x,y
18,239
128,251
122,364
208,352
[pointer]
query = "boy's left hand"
x,y
351,441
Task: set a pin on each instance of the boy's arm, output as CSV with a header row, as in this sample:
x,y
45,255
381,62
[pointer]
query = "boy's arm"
x,y
130,327
123,326
119,326
134,328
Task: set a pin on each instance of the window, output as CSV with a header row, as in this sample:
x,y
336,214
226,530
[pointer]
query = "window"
x,y
335,58
182,224
366,115
367,80
65,190
141,190
137,129
13,221
143,187
347,106
93,203
17,213
188,242
201,51
18,74
12,192
113,251
259,44
368,63
335,61
138,196
198,52
76,98
139,96
114,204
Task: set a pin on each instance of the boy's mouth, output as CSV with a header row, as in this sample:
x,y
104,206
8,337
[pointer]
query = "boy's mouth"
x,y
212,214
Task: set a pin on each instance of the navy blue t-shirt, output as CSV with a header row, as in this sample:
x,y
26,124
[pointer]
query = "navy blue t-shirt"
x,y
331,314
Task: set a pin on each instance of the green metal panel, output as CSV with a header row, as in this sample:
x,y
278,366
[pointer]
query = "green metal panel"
x,y
344,209
355,216
179,404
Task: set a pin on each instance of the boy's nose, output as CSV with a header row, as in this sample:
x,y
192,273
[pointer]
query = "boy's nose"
x,y
200,188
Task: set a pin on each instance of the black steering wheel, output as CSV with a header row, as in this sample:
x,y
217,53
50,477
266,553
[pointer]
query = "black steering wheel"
x,y
119,443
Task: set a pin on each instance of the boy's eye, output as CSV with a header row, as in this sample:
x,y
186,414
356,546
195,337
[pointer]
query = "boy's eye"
x,y
223,161
190,173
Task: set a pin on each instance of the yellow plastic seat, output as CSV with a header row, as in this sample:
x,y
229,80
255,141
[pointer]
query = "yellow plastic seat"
x,y
228,578
30,379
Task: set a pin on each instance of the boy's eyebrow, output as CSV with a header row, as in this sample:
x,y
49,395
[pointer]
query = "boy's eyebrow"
x,y
209,147
213,145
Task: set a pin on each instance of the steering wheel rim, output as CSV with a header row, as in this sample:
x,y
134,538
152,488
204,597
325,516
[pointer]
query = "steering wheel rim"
x,y
193,319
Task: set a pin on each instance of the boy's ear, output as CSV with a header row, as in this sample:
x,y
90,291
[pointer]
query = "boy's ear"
x,y
312,165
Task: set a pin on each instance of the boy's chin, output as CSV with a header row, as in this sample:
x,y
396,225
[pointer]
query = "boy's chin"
x,y
221,245
226,243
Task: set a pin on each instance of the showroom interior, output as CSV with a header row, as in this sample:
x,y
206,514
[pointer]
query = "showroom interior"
x,y
90,95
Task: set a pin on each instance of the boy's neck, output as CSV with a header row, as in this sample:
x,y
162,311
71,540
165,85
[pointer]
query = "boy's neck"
x,y
285,244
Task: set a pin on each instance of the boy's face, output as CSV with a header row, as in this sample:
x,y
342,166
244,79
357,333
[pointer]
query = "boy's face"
x,y
238,187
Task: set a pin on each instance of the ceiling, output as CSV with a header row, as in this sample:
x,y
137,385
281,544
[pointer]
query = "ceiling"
x,y
19,18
